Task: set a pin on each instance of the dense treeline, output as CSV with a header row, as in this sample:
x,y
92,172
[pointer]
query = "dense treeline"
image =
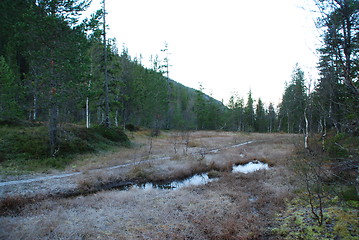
x,y
333,103
54,69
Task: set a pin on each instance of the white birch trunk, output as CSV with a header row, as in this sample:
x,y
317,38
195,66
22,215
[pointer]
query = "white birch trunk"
x,y
116,118
35,109
306,134
87,113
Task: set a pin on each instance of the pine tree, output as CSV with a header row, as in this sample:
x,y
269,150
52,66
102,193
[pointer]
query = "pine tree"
x,y
340,17
10,94
249,114
260,118
336,97
293,103
271,118
53,49
236,112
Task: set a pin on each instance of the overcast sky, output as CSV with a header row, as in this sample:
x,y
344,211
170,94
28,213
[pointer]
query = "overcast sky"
x,y
227,45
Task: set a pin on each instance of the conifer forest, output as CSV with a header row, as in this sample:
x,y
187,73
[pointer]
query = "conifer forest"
x,y
72,100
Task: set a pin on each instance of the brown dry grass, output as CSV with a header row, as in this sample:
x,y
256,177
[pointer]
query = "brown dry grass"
x,y
237,206
224,209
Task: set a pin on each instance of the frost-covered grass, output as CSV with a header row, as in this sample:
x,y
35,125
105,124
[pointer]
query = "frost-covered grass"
x,y
236,206
184,164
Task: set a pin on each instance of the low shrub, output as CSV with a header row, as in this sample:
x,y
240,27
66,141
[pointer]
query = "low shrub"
x,y
25,142
112,134
27,148
132,128
155,132
214,174
139,172
193,144
342,145
348,193
12,205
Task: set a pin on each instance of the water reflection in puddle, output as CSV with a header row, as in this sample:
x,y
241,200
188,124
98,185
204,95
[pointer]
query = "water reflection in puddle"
x,y
198,179
250,167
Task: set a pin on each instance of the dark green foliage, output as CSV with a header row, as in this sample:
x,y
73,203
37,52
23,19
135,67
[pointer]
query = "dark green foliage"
x,y
51,70
242,117
132,128
112,134
50,63
271,118
20,142
260,123
29,145
336,96
208,111
348,193
249,113
70,143
10,122
235,115
10,93
339,145
291,113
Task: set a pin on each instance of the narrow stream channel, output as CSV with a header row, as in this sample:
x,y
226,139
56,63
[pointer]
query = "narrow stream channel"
x,y
200,179
65,175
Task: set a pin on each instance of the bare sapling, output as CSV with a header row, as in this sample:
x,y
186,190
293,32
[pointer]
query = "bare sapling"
x,y
236,139
137,153
150,144
185,135
306,133
202,153
311,173
174,139
324,133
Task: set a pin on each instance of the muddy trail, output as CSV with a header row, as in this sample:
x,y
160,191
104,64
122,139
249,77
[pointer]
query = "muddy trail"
x,y
221,207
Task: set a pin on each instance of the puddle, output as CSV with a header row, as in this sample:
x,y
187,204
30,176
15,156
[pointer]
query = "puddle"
x,y
195,180
201,179
250,167
252,199
214,151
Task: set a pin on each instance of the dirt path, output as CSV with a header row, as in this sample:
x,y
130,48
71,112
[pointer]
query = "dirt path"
x,y
51,184
236,206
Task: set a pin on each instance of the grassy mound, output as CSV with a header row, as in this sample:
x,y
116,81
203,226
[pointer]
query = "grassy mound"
x,y
27,148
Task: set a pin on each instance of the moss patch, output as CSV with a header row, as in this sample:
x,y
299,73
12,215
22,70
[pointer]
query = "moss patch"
x,y
24,148
297,222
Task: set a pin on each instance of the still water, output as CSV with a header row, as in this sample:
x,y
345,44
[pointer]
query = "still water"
x,y
250,167
198,179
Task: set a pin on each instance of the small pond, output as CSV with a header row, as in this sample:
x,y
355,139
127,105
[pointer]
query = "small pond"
x,y
198,179
250,167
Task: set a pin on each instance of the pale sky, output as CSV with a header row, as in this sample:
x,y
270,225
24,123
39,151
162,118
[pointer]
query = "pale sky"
x,y
227,45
